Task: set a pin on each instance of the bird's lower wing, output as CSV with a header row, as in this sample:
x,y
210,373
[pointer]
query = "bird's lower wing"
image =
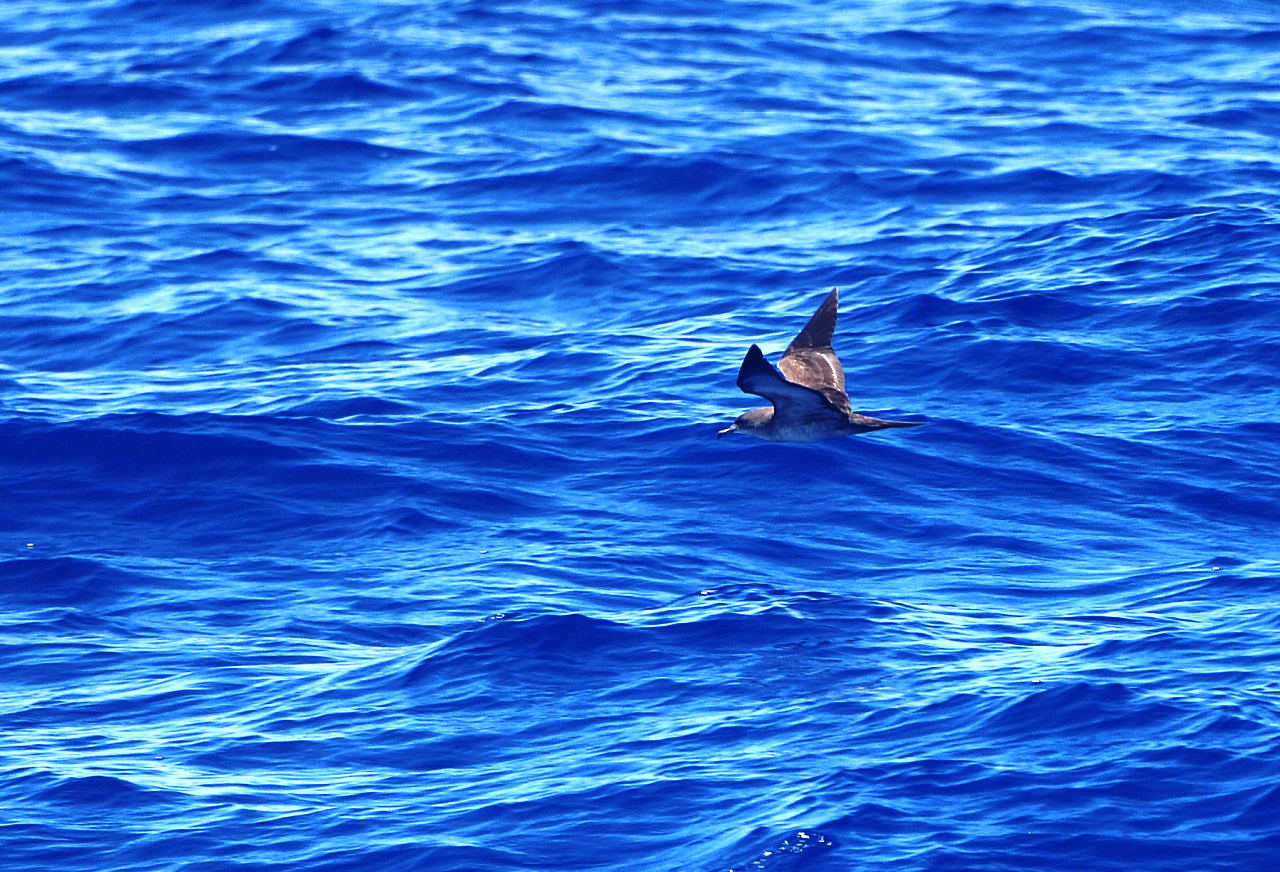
x,y
758,376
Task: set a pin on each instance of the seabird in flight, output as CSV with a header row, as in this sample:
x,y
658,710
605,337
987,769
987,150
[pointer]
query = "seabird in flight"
x,y
809,402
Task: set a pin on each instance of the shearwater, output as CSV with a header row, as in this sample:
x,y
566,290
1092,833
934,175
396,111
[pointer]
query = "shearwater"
x,y
808,396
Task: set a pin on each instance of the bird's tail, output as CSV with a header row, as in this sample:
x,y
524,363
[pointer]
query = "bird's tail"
x,y
870,423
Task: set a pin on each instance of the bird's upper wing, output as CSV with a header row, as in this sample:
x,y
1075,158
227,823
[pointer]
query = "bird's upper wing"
x,y
821,327
818,370
757,376
809,359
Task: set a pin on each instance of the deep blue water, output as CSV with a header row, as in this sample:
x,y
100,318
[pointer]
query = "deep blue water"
x,y
360,506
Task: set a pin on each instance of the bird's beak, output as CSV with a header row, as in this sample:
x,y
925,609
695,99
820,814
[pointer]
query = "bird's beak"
x,y
732,428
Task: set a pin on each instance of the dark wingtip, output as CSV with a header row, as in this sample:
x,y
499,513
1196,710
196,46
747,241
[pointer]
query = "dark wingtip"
x,y
754,362
821,328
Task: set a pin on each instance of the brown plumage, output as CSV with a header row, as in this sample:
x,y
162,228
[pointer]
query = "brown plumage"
x,y
808,399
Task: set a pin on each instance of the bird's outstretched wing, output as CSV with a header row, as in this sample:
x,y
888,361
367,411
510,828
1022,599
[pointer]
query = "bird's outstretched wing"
x,y
790,400
821,327
809,360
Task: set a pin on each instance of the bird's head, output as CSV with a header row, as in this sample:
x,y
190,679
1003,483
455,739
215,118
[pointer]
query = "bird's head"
x,y
749,422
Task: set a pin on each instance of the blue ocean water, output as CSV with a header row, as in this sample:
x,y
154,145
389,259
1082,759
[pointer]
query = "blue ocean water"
x,y
361,362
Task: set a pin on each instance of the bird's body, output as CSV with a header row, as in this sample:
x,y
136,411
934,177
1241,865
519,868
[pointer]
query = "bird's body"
x,y
808,399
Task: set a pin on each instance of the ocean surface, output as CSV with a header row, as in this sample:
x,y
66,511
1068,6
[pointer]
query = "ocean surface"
x,y
360,502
